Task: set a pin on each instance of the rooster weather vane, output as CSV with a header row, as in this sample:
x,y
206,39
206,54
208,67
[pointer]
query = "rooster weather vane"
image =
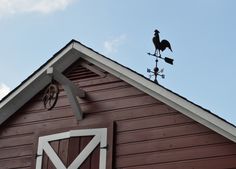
x,y
160,46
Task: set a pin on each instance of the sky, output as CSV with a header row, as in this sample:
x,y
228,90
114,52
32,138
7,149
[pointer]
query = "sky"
x,y
201,32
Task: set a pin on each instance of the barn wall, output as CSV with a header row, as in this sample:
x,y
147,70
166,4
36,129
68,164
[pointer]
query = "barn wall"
x,y
149,134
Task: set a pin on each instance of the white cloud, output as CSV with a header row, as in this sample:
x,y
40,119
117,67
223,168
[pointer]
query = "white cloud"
x,y
111,46
4,90
23,6
47,6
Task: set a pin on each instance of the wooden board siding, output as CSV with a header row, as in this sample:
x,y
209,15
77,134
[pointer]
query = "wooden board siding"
x,y
149,134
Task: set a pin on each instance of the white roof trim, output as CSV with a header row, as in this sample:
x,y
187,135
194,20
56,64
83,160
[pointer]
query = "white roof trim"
x,y
31,87
173,100
29,81
187,108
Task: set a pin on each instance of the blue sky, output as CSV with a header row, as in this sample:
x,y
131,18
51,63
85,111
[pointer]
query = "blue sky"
x,y
202,35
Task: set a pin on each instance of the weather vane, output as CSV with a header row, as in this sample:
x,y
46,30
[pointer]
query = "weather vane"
x,y
160,46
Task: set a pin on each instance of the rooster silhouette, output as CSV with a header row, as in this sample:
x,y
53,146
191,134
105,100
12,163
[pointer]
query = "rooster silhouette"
x,y
160,46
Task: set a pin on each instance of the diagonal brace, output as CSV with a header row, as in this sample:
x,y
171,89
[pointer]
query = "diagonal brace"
x,y
72,91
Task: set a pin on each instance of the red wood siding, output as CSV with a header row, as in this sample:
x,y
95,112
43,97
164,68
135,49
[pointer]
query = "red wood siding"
x,y
149,134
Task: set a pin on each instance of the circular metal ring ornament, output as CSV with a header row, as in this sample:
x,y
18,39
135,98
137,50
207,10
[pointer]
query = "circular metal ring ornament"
x,y
50,96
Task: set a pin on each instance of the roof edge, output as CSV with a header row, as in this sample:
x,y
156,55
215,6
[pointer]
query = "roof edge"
x,y
14,100
159,92
168,97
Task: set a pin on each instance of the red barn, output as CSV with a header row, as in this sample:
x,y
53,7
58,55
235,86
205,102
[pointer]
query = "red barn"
x,y
83,110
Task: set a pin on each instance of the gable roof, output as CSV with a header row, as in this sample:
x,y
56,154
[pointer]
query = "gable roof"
x,y
75,50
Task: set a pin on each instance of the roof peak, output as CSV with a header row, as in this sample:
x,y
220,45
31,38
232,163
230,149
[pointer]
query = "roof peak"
x,y
74,50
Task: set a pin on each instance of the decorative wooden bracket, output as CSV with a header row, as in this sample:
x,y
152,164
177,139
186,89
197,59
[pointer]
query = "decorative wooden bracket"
x,y
72,91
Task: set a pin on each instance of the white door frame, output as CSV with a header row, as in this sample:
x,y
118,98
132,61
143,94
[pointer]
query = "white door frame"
x,y
100,136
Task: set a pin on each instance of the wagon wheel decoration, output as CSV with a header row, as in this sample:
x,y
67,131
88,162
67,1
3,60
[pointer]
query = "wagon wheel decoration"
x,y
50,96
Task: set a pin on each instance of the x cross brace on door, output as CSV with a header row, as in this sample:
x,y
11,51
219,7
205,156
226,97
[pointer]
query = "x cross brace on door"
x,y
100,138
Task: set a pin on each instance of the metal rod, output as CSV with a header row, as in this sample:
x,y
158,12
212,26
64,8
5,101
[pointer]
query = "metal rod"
x,y
155,71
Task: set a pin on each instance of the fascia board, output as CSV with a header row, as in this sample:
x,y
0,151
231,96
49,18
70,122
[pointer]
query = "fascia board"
x,y
187,108
31,86
77,50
